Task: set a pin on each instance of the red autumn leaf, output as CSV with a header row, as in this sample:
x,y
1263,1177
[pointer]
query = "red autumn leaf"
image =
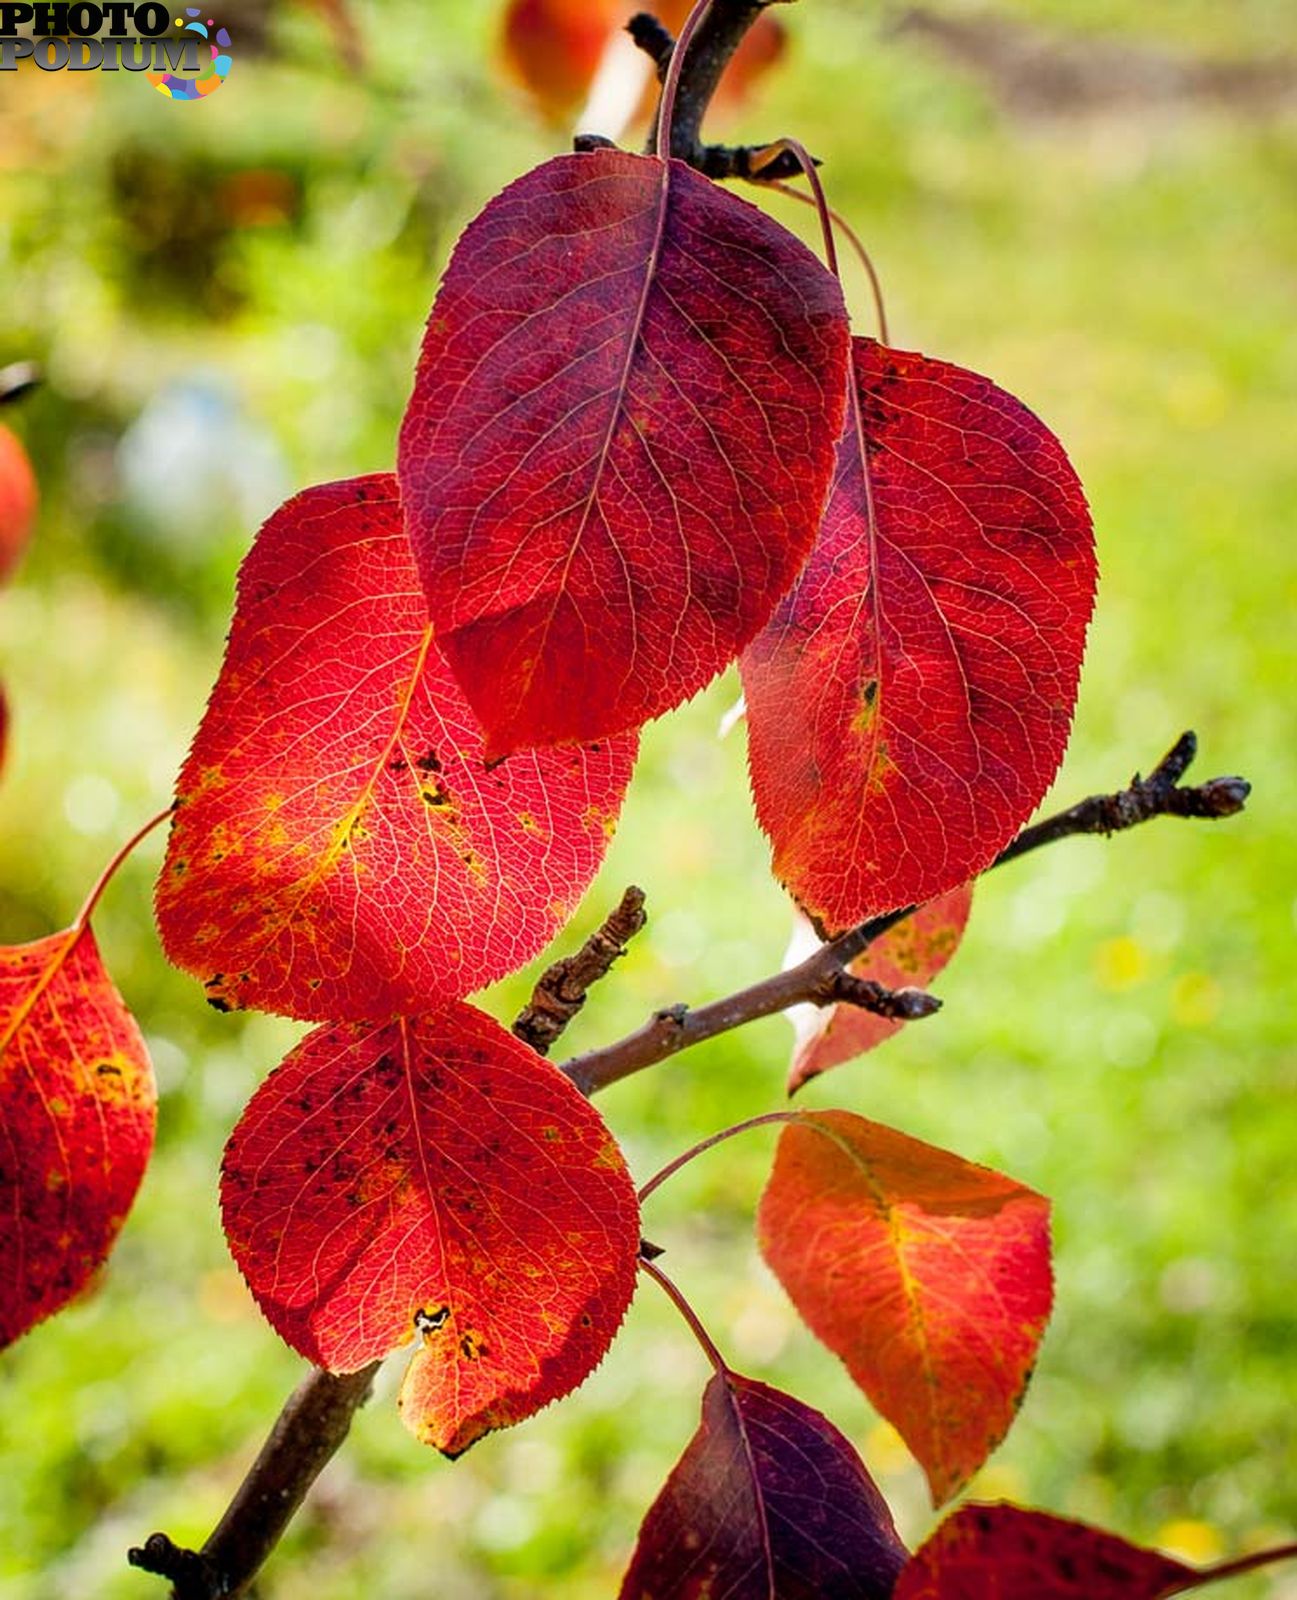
x,y
341,850
432,1179
1003,1552
908,956
554,48
620,439
768,1502
928,1276
18,496
909,704
77,1110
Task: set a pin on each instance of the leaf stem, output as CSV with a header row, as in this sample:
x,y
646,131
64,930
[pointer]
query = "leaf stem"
x,y
677,1299
799,152
110,871
1242,1564
843,227
703,1145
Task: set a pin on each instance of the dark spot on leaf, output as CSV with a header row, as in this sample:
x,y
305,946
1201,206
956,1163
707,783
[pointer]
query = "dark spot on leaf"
x,y
430,1321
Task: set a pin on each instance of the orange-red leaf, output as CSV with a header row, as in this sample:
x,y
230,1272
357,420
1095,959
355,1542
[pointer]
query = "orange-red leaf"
x,y
432,1179
553,47
768,1502
1003,1552
909,703
77,1108
341,850
928,1276
909,955
18,498
619,444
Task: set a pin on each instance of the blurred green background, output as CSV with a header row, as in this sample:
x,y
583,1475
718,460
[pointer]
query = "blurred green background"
x,y
1074,196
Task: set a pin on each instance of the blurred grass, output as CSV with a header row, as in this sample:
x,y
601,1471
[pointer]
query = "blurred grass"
x,y
1118,1029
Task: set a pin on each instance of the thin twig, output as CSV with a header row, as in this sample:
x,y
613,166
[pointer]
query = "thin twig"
x,y
561,990
819,979
1158,795
654,38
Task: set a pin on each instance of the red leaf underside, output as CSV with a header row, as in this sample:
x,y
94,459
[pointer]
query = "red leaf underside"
x,y
77,1108
768,1502
927,1276
909,955
910,701
620,440
341,850
1003,1552
432,1179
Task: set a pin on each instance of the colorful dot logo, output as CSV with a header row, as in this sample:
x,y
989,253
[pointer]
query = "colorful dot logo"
x,y
214,70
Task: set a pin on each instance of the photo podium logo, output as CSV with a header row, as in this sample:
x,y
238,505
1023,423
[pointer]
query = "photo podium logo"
x,y
184,57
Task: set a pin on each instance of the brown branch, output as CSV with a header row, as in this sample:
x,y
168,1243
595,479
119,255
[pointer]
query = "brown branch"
x,y
304,1439
561,991
719,35
818,980
317,1417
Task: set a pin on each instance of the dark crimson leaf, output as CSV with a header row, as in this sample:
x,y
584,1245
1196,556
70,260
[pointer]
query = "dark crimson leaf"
x,y
908,956
77,1110
620,439
1005,1553
909,703
928,1276
434,1180
769,1502
18,498
340,849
